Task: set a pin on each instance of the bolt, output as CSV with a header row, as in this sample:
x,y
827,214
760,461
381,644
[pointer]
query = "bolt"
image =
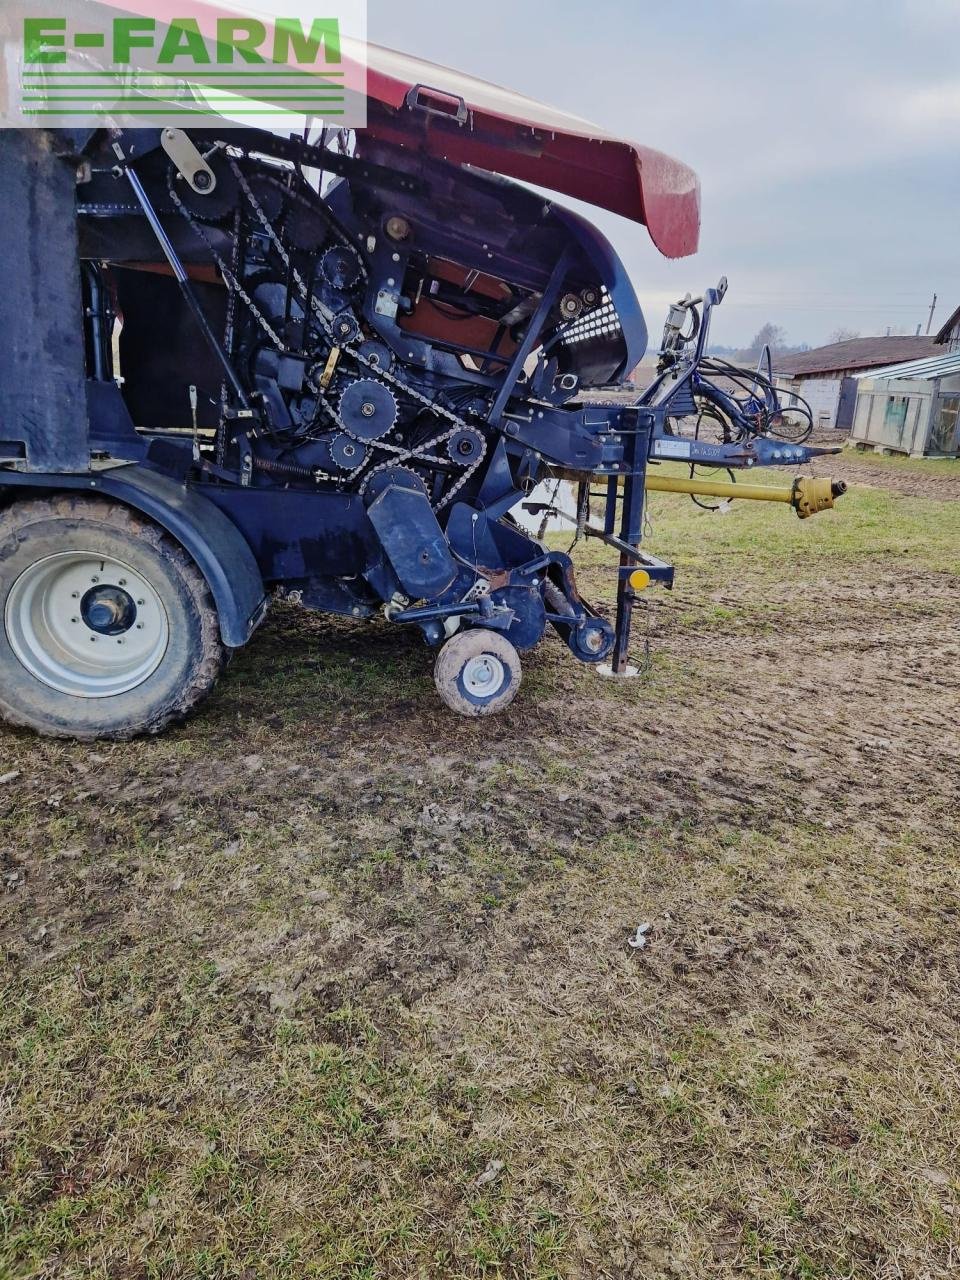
x,y
74,619
139,626
119,642
201,180
141,602
368,409
122,582
93,639
94,578
75,595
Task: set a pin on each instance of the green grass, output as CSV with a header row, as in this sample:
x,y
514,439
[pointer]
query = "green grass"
x,y
326,984
867,526
871,528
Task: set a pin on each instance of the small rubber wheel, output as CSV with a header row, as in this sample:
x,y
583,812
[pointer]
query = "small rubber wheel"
x,y
108,627
477,672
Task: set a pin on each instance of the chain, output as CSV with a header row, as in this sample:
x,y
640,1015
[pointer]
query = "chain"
x,y
232,283
323,313
400,453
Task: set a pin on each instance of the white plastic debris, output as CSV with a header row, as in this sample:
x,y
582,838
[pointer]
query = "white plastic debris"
x,y
639,939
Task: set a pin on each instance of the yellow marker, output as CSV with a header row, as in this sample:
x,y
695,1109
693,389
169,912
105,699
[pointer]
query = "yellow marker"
x,y
639,580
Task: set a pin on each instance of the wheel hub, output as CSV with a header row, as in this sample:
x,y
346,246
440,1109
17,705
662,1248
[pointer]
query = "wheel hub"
x,y
483,675
110,611
86,625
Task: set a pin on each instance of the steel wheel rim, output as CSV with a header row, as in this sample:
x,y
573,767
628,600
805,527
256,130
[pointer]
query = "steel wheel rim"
x,y
85,624
484,676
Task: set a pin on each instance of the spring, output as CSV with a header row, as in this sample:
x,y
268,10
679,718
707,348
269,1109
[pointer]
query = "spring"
x,y
288,470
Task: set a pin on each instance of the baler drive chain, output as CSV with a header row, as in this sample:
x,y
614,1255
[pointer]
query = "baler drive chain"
x,y
399,454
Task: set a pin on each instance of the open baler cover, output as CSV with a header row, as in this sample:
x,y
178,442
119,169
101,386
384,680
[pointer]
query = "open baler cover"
x,y
468,121
511,134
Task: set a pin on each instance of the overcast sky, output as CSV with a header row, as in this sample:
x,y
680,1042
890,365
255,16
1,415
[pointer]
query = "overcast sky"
x,y
826,134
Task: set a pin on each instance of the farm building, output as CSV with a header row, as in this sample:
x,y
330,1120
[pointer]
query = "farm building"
x,y
826,376
913,406
949,335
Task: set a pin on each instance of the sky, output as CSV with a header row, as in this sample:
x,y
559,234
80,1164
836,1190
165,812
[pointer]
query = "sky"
x,y
825,133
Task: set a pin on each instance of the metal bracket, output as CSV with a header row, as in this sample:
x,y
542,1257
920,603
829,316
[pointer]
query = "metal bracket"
x,y
190,163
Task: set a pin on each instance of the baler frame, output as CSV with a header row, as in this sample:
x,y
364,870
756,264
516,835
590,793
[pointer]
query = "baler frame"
x,y
265,507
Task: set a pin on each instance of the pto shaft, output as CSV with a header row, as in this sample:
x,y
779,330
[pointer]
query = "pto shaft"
x,y
807,495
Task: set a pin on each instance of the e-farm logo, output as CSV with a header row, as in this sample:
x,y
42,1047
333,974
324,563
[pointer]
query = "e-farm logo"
x,y
91,62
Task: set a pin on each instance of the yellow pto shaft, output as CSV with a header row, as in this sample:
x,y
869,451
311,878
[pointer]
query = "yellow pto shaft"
x,y
807,495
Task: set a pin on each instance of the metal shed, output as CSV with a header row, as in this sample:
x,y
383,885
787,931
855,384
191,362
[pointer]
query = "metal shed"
x,y
911,408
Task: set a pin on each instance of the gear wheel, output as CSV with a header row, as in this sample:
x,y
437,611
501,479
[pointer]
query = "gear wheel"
x,y
389,473
368,409
305,227
340,267
347,453
220,203
345,328
466,446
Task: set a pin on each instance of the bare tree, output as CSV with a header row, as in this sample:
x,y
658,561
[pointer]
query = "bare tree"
x,y
843,335
768,335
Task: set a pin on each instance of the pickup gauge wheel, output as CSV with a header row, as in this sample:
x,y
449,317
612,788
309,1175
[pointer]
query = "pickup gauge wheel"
x,y
109,629
477,672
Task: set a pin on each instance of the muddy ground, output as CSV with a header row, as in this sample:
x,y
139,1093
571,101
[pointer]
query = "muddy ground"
x,y
926,480
325,983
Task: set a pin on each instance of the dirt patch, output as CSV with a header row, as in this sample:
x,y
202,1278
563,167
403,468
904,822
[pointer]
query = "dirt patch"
x,y
856,468
329,983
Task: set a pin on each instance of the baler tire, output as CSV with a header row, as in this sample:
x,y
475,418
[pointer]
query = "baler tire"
x,y
46,545
472,660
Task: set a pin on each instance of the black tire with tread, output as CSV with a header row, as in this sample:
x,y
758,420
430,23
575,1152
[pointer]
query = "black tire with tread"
x,y
33,528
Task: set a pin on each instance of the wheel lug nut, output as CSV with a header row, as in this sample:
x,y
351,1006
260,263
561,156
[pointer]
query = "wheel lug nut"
x,y
74,619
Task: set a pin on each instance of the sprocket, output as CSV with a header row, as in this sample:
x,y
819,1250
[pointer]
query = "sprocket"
x,y
389,473
368,409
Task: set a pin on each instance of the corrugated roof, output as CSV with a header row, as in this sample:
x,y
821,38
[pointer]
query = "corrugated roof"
x,y
932,367
855,353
